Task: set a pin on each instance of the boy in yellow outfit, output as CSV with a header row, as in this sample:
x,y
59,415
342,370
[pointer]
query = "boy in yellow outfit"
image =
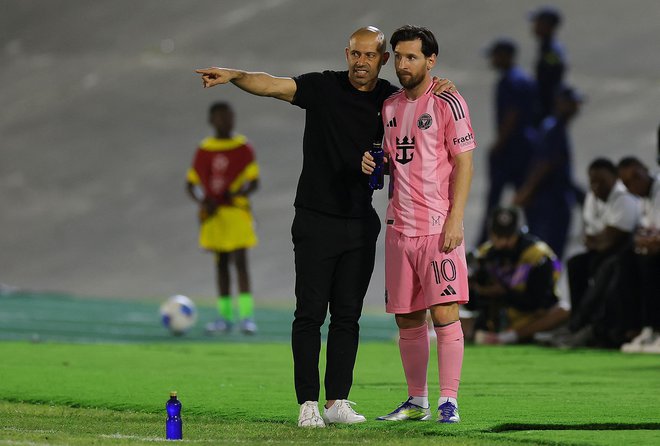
x,y
223,174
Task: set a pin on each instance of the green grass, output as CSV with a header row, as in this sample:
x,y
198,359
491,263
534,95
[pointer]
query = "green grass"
x,y
236,393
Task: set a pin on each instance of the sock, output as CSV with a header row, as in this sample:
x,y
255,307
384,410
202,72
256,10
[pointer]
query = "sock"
x,y
422,401
450,358
225,308
414,349
443,399
245,306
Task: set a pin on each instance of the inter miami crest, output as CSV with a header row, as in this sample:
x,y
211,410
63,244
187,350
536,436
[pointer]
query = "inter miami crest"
x,y
424,121
402,148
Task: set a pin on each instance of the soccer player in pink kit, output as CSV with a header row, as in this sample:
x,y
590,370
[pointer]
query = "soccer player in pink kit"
x,y
428,144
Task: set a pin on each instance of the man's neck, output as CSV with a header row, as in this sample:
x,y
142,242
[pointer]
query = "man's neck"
x,y
419,90
366,87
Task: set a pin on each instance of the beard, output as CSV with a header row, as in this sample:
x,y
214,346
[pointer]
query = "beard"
x,y
410,81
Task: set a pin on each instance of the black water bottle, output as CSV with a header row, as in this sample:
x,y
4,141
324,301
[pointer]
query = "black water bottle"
x,y
173,425
376,179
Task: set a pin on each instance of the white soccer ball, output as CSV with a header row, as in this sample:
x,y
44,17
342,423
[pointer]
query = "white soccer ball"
x,y
178,314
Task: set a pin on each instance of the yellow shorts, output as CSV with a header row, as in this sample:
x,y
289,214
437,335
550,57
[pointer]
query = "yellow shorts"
x,y
229,229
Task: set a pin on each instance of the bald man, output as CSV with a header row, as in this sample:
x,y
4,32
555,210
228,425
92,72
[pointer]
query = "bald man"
x,y
335,226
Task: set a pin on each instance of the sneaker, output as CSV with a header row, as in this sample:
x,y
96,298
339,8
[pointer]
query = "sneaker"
x,y
248,326
653,346
342,412
407,411
309,415
584,337
448,413
646,336
483,337
219,326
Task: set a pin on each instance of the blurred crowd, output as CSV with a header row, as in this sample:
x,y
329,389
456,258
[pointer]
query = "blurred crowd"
x,y
614,283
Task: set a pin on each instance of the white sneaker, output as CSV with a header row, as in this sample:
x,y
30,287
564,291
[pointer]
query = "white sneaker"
x,y
220,325
646,336
652,346
309,415
342,412
248,326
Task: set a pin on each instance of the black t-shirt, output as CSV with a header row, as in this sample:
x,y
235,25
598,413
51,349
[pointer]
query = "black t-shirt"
x,y
341,123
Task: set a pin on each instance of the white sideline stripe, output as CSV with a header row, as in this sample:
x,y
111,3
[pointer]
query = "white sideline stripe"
x,y
136,437
26,443
31,431
131,437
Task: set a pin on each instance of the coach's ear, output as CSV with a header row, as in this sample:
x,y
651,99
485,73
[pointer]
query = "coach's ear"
x,y
386,57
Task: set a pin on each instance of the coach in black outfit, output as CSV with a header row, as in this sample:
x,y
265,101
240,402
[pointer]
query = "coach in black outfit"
x,y
335,227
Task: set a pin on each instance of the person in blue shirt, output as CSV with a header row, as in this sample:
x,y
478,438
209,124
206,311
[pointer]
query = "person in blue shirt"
x,y
515,109
551,59
548,195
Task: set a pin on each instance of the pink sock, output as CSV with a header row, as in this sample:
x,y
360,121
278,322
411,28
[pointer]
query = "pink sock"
x,y
414,348
450,358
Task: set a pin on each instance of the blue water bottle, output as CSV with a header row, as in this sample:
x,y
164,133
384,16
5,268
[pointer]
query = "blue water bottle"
x,y
173,425
376,179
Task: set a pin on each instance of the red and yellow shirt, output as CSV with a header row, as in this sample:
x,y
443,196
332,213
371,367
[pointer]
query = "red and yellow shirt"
x,y
224,165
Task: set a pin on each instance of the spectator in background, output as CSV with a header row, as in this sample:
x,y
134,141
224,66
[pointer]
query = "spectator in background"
x,y
515,108
610,214
224,172
548,194
514,275
551,60
636,177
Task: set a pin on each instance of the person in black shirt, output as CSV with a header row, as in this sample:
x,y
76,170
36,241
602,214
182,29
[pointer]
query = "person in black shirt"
x,y
335,227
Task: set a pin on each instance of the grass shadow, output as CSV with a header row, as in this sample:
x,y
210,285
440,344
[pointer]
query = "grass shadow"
x,y
512,427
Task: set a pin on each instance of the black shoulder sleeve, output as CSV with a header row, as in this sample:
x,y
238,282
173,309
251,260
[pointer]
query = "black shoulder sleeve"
x,y
309,90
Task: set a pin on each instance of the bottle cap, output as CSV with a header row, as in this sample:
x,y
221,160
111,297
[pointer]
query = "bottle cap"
x,y
173,393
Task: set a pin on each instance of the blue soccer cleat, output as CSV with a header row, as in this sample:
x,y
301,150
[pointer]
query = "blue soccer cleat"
x,y
407,411
448,413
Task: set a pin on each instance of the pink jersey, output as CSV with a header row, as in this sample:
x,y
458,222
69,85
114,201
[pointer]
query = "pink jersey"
x,y
421,138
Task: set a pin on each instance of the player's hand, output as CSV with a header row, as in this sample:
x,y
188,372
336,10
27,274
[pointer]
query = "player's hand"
x,y
215,76
368,163
453,234
440,85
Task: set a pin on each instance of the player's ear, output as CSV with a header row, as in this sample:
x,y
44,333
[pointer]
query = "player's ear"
x,y
430,61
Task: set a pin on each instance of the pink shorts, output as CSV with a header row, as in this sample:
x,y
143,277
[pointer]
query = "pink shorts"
x,y
419,275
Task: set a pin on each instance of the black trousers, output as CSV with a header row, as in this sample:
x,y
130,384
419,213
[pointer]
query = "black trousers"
x,y
648,267
334,260
582,270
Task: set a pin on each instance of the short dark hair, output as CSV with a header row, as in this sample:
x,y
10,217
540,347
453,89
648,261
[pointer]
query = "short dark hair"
x,y
603,164
504,221
408,33
217,106
503,45
630,161
548,14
